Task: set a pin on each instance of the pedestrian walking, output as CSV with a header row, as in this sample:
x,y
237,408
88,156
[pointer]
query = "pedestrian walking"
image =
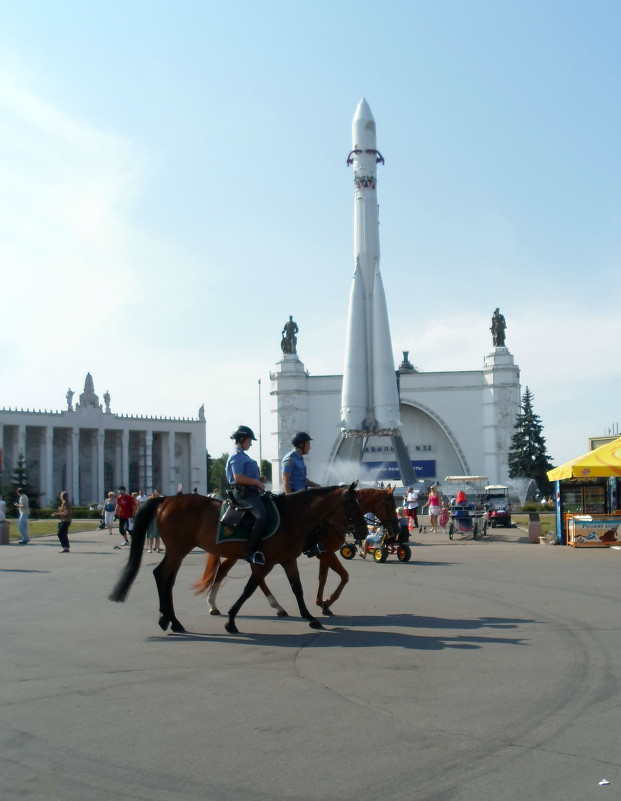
x,y
64,521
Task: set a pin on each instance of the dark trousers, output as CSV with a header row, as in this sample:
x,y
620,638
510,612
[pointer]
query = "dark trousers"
x,y
124,527
63,533
252,500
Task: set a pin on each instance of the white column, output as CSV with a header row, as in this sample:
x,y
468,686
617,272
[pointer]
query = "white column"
x,y
148,479
118,462
49,487
21,442
3,462
101,439
68,462
75,465
125,459
172,482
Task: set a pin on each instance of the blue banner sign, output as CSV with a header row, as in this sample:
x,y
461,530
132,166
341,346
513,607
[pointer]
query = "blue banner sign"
x,y
382,471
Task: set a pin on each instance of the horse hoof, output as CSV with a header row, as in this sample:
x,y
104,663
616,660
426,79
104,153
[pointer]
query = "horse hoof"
x,y
231,627
315,624
177,628
326,611
282,613
163,623
214,611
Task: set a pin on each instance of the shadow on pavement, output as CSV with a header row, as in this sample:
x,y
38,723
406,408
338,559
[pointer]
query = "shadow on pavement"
x,y
359,634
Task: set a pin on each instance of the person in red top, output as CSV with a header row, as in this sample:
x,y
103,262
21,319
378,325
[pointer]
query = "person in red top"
x,y
125,509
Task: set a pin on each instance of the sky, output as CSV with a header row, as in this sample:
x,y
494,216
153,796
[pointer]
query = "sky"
x,y
174,186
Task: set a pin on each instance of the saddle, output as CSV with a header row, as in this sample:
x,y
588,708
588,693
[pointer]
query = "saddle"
x,y
235,522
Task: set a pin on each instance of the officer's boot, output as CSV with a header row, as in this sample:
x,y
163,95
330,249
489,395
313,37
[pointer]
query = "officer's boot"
x,y
254,554
313,547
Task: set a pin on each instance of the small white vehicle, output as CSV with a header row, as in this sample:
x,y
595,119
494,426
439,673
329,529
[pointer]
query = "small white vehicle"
x,y
498,505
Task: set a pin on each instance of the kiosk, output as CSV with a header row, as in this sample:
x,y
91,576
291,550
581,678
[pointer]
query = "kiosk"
x,y
586,491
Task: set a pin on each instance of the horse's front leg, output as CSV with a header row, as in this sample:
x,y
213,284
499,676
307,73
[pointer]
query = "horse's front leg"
x,y
256,576
323,575
222,572
280,612
331,560
293,574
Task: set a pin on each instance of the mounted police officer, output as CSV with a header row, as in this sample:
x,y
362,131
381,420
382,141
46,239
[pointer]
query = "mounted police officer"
x,y
294,477
244,475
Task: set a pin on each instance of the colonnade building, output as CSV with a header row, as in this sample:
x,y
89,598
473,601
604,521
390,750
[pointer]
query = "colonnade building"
x,y
89,451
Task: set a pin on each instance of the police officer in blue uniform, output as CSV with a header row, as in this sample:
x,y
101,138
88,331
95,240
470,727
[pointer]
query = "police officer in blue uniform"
x,y
294,477
244,476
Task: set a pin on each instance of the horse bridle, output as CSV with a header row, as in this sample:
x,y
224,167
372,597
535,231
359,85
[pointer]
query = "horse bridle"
x,y
352,510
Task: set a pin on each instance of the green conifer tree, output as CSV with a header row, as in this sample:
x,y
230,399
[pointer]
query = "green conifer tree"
x,y
528,456
19,478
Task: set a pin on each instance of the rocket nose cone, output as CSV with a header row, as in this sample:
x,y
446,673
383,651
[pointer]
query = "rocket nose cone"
x,y
363,127
363,111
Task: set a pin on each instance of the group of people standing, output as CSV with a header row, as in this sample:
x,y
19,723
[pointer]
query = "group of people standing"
x,y
23,506
439,511
124,507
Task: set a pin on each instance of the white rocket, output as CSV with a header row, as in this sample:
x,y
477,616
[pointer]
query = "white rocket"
x,y
370,400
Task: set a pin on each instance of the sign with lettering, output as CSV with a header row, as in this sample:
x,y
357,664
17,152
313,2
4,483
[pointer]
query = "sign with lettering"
x,y
389,471
593,531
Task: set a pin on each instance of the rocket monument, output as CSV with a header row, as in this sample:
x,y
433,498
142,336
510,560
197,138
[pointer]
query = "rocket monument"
x,y
370,397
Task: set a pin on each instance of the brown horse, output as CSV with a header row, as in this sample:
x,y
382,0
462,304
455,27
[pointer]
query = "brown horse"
x,y
380,502
186,521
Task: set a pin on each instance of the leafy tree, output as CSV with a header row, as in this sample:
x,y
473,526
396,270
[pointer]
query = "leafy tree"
x,y
19,478
266,470
528,456
216,476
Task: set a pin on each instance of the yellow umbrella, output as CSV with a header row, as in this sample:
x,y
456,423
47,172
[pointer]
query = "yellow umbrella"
x,y
602,462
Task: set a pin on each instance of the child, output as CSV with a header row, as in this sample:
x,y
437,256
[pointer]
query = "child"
x,y
373,537
404,528
444,516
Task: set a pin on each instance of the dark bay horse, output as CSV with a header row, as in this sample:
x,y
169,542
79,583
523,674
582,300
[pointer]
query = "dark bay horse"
x,y
186,521
380,502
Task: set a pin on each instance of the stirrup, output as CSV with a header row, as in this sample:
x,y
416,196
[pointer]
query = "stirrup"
x,y
316,549
256,558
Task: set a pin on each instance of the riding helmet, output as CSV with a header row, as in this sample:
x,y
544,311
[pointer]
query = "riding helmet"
x,y
242,432
300,438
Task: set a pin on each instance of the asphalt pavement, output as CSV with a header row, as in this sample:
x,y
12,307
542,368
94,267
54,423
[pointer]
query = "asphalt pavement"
x,y
480,670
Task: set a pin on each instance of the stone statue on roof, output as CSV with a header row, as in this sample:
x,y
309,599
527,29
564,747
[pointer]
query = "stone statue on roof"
x,y
498,329
289,340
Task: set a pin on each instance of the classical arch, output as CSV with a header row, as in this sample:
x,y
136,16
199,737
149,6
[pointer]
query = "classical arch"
x,y
423,426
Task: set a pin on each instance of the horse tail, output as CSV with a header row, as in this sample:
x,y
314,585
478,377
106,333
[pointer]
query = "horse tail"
x,y
206,580
130,571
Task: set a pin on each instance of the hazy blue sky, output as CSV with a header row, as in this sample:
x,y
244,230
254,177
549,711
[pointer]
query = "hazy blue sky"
x,y
173,187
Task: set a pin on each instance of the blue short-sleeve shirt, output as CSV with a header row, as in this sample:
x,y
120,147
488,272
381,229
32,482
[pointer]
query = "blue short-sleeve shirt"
x,y
294,465
239,462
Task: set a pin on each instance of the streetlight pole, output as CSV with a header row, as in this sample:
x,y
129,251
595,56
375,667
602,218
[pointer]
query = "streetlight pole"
x,y
260,438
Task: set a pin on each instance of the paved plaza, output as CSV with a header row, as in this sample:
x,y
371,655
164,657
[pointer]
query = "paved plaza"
x,y
480,670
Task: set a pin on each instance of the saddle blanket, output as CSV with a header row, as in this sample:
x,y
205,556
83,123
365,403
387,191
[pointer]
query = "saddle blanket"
x,y
239,533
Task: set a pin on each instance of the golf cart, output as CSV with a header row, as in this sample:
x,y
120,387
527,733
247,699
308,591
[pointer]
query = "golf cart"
x,y
497,505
